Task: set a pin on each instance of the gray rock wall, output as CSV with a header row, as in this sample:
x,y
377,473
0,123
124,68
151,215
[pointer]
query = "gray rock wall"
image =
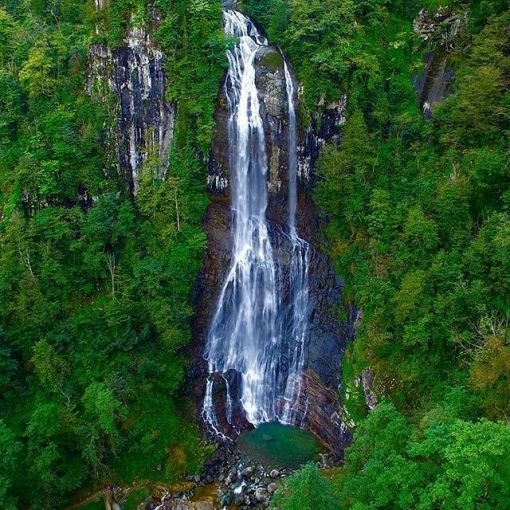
x,y
133,78
439,32
435,82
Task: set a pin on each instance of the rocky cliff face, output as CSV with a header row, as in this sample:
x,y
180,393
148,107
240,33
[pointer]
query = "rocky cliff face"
x,y
435,82
323,128
440,31
133,78
319,407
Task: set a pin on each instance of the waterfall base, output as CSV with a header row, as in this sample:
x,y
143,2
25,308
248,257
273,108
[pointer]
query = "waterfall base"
x,y
322,373
317,411
279,446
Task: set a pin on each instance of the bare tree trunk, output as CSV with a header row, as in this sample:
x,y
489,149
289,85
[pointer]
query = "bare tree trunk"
x,y
112,265
25,256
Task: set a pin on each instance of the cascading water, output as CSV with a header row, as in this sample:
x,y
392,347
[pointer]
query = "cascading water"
x,y
256,331
289,83
298,272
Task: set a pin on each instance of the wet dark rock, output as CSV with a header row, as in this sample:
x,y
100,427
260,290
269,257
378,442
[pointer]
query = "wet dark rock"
x,y
435,83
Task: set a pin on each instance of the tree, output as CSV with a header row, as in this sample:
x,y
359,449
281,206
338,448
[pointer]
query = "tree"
x,y
10,448
306,489
451,463
467,465
490,374
95,285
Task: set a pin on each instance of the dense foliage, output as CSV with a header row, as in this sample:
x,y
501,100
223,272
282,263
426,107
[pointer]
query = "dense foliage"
x,y
419,227
445,462
306,489
95,285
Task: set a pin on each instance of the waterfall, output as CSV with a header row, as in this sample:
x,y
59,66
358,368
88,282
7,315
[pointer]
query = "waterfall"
x,y
253,331
300,309
292,147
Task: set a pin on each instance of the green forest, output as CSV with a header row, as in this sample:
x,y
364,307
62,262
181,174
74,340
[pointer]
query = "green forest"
x,y
96,285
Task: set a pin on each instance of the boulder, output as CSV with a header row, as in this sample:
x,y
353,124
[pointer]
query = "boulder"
x,y
272,488
248,472
261,494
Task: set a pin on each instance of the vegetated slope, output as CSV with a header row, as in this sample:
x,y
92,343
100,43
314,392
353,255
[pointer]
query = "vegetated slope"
x,y
95,284
419,227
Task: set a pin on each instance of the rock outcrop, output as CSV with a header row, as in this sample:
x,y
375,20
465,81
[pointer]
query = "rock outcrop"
x,y
367,382
442,27
133,77
322,414
439,32
435,83
323,128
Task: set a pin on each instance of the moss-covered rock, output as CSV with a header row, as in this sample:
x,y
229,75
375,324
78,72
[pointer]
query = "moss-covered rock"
x,y
271,59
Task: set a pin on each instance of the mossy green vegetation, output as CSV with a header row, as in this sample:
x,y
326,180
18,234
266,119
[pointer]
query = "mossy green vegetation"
x,y
272,60
418,222
95,285
133,501
306,489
